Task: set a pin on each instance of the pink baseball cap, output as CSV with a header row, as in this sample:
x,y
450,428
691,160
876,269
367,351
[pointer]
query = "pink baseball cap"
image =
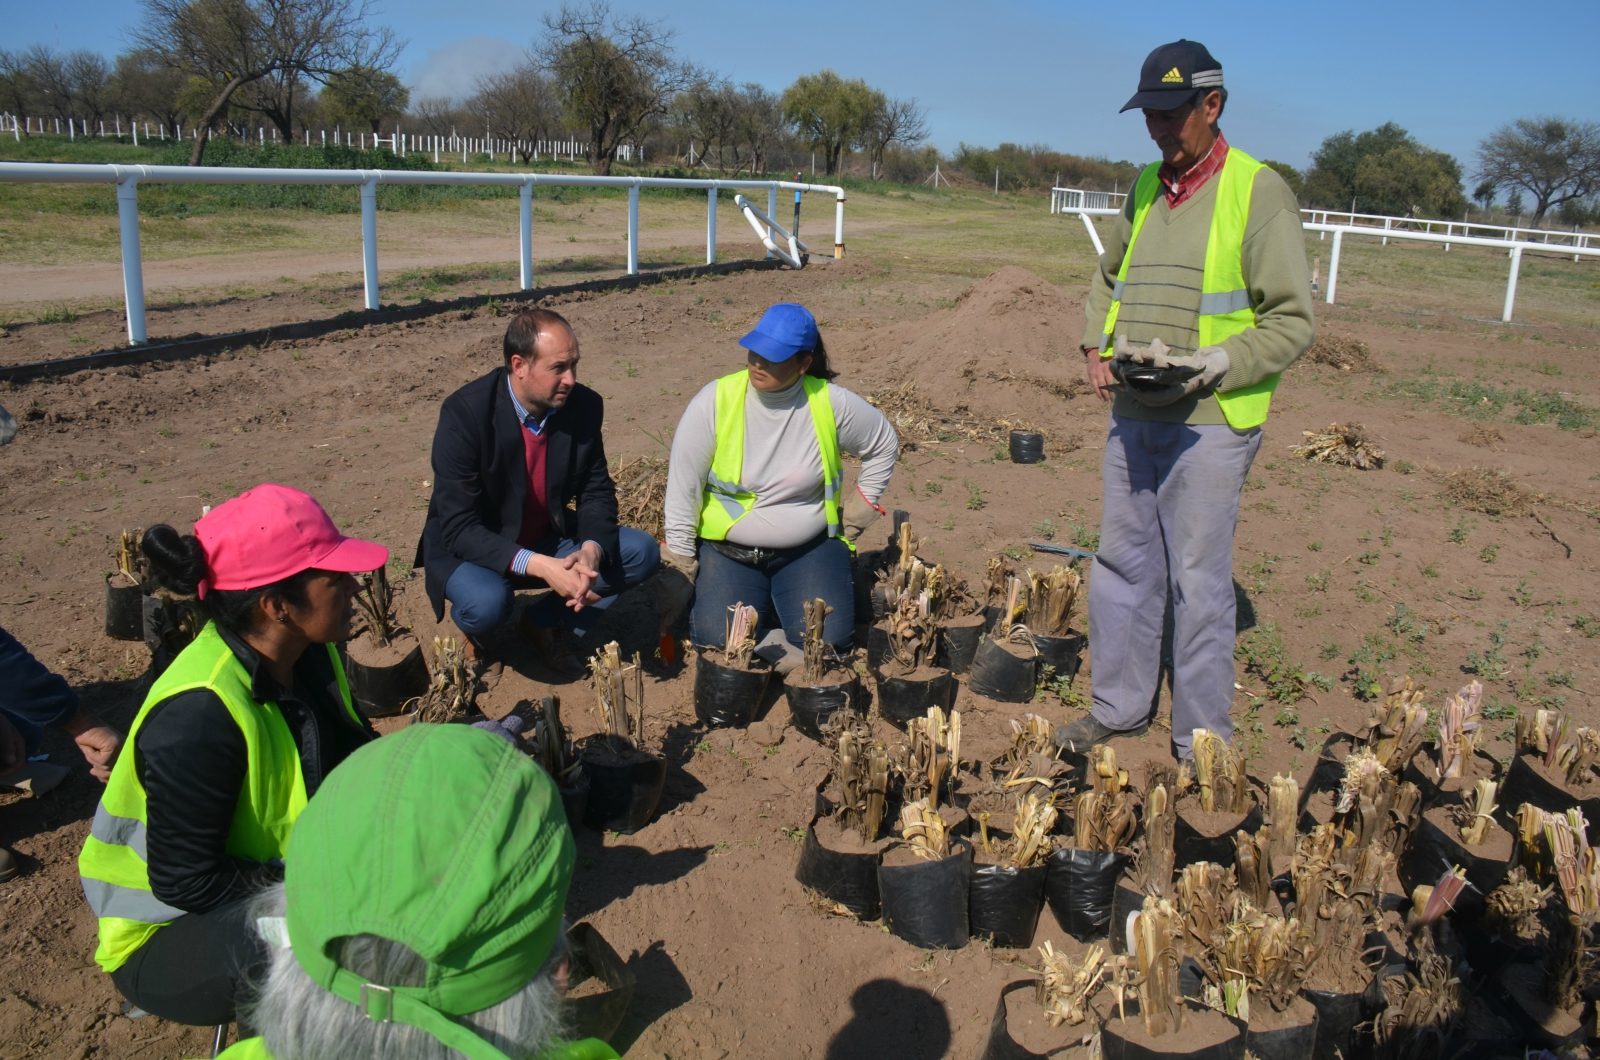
x,y
271,532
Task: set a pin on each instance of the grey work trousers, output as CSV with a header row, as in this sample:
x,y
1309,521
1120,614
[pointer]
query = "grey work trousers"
x,y
1171,508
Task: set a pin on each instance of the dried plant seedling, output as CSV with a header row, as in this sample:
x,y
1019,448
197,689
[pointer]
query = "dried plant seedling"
x,y
934,754
1423,1008
376,600
642,494
1103,816
552,748
1479,812
1530,833
1016,605
1065,985
1156,857
1574,757
131,561
1220,773
619,691
816,646
1397,727
1050,600
451,690
1576,865
1030,834
1283,811
1512,909
1158,948
996,578
913,632
861,771
1337,895
1030,735
1459,724
1253,860
1341,443
739,642
924,830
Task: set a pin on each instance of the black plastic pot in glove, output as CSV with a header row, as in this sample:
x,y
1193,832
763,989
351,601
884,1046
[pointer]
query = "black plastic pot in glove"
x,y
849,878
958,641
624,787
1003,905
1079,887
1063,654
902,698
1432,851
592,957
124,610
925,902
725,697
810,706
382,691
1001,674
1121,1040
1027,447
1297,1040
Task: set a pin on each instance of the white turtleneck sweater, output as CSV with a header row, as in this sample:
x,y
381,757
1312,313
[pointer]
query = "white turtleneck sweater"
x,y
782,464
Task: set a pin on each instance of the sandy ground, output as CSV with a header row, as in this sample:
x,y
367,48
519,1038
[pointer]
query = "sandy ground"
x,y
732,959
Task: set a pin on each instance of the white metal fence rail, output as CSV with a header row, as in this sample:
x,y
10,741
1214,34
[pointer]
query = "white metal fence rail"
x,y
128,178
1069,200
1551,237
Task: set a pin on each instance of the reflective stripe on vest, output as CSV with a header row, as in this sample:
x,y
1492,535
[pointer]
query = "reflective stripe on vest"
x,y
1225,308
113,865
725,499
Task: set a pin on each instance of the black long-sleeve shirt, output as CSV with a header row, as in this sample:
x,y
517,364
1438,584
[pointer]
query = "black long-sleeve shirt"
x,y
191,758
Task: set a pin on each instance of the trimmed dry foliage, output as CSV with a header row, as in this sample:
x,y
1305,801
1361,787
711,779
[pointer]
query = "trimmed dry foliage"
x,y
1345,354
1488,490
1483,437
642,494
1341,443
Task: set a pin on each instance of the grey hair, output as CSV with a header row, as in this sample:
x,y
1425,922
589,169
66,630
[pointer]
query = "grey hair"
x,y
299,1020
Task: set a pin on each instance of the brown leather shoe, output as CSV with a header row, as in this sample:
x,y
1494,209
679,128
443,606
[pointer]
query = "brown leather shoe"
x,y
486,664
550,645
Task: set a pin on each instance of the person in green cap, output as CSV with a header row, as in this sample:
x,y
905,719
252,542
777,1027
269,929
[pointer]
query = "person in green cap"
x,y
420,916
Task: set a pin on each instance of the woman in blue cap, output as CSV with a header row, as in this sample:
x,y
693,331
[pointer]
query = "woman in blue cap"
x,y
755,509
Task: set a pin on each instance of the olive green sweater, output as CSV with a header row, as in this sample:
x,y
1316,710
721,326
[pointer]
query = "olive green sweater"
x,y
1162,295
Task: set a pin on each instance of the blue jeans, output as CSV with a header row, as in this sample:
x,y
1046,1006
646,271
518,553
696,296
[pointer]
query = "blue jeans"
x,y
481,599
785,582
31,697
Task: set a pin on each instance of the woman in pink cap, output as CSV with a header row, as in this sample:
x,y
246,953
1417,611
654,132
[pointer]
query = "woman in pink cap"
x,y
233,738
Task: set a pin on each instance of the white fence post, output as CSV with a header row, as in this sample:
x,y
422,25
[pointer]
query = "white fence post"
x,y
711,226
633,229
369,238
1333,264
526,229
838,224
1511,282
132,264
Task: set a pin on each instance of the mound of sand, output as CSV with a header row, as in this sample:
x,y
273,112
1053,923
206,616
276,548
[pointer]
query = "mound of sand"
x,y
1006,354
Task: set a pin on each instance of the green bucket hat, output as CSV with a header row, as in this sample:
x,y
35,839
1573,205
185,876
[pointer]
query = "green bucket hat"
x,y
446,839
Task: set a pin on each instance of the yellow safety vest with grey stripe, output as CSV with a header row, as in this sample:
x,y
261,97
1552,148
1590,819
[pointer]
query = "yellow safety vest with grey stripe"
x,y
725,500
1225,307
113,867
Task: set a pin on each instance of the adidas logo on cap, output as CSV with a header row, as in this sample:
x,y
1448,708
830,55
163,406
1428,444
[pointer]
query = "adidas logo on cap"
x,y
1172,77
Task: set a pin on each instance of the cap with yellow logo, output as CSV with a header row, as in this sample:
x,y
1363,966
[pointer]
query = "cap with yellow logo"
x,y
1173,73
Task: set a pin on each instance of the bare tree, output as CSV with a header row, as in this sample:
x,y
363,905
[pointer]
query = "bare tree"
x,y
893,121
615,75
437,114
232,43
519,105
278,97
1556,160
708,114
760,125
18,92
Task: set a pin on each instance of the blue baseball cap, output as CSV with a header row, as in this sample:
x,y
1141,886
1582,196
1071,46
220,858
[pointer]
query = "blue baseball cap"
x,y
783,331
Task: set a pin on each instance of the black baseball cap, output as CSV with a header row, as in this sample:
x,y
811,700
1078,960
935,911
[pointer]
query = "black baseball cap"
x,y
1173,74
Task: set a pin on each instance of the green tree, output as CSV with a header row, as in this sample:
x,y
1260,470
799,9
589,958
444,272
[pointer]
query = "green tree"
x,y
1419,179
1291,176
363,97
149,88
1556,160
829,113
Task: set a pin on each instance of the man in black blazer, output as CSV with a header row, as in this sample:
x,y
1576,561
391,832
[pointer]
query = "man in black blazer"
x,y
511,450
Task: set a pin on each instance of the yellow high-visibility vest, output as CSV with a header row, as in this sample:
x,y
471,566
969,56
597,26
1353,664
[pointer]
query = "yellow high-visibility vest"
x,y
112,866
1225,307
724,500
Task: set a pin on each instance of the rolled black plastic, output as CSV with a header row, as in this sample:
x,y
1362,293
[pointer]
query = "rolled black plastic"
x,y
623,796
725,697
124,611
957,644
597,1015
998,674
1170,1046
851,879
1080,886
810,706
1284,1043
900,700
1027,447
1063,654
1004,903
381,691
926,903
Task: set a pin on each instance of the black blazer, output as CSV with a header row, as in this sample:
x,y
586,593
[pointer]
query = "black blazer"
x,y
480,481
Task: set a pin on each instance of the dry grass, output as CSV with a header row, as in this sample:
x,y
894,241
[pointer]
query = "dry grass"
x,y
642,494
1483,437
1488,490
1341,443
1345,354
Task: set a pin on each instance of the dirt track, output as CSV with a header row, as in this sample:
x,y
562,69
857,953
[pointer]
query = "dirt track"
x,y
732,960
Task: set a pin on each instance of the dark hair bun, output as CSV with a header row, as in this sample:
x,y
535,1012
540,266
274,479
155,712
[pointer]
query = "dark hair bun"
x,y
177,560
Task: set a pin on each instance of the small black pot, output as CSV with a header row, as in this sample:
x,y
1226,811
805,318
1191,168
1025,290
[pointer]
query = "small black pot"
x,y
998,674
1004,903
1524,783
1420,772
1125,899
124,611
810,706
1027,447
574,789
382,691
958,640
163,631
1065,654
1114,1046
877,646
926,903
725,697
848,879
900,700
1431,852
1189,846
597,1015
1079,886
623,795
1338,1014
1000,1045
1285,1043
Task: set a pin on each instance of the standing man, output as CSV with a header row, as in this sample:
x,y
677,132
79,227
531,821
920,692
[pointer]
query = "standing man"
x,y
511,450
1204,285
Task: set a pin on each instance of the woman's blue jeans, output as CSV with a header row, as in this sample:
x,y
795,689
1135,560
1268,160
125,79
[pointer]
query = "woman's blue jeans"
x,y
783,583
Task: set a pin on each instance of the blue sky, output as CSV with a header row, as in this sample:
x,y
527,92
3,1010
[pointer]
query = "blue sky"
x,y
1052,71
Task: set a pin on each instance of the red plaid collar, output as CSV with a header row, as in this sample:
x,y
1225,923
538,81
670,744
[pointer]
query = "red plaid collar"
x,y
1179,186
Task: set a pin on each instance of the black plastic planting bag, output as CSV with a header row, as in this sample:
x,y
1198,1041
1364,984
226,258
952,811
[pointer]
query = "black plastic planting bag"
x,y
1339,1012
900,700
998,674
957,645
851,879
1000,1045
1284,1043
597,1015
623,795
124,611
1170,1046
877,647
381,691
1079,887
1027,447
1125,899
1189,846
810,706
1061,654
1431,853
724,697
1004,904
574,790
925,903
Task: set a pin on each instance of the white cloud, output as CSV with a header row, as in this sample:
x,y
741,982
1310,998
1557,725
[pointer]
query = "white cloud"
x,y
454,69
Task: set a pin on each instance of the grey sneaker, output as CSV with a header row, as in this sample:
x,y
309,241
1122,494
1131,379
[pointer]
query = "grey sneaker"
x,y
1080,735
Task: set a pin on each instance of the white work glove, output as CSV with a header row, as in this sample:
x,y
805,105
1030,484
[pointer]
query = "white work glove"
x,y
1211,362
673,585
